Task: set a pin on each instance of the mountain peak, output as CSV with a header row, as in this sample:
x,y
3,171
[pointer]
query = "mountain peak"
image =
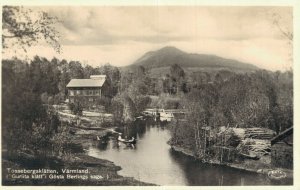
x,y
171,49
168,51
169,55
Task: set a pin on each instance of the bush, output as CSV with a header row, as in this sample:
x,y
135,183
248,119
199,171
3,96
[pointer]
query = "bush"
x,y
142,103
166,102
172,104
76,108
106,102
117,109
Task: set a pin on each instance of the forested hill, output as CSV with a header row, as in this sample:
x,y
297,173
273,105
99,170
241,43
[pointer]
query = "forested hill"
x,y
163,58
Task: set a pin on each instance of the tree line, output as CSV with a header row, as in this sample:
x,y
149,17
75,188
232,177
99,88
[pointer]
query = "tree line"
x,y
256,99
260,99
27,89
30,88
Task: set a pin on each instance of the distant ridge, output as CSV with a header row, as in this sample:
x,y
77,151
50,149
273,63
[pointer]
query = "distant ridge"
x,y
167,56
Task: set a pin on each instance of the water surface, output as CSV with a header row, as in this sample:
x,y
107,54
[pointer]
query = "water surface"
x,y
152,160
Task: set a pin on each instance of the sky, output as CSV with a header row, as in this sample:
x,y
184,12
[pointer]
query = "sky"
x,y
119,35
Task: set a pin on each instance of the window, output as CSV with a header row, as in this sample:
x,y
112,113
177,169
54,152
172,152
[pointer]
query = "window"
x,y
85,92
71,92
91,99
78,92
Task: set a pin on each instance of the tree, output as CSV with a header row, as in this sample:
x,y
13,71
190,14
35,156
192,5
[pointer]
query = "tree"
x,y
113,77
51,76
123,108
158,86
142,103
177,75
64,79
285,27
89,70
36,75
76,70
285,31
112,72
23,27
140,72
176,72
117,108
76,108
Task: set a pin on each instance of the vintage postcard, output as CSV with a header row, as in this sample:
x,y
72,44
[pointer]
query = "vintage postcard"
x,y
148,95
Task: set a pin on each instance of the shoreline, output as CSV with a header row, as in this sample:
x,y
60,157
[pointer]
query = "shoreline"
x,y
109,171
106,170
101,172
86,143
238,166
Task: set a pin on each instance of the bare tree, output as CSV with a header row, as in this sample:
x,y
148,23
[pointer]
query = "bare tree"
x,y
286,31
23,27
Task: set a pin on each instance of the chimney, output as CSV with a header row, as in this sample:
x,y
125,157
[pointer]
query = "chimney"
x,y
97,77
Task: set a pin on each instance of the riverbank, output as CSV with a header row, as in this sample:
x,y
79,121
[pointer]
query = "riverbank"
x,y
100,172
262,167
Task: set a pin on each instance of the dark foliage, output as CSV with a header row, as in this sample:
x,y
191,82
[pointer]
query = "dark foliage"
x,y
76,108
29,90
260,99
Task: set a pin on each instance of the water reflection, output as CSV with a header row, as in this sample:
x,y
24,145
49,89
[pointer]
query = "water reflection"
x,y
102,146
113,144
153,161
208,174
136,130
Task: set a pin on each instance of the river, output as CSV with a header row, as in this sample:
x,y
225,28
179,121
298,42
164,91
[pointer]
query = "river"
x,y
152,160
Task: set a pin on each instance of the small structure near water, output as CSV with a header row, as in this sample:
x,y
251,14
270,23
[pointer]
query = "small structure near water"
x,y
162,114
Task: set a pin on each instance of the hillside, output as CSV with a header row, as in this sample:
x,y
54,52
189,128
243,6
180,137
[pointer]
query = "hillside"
x,y
162,59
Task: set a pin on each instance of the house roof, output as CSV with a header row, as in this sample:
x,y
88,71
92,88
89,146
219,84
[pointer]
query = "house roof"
x,y
282,135
86,82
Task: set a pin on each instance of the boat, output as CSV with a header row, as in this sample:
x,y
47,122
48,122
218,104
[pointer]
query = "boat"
x,y
131,141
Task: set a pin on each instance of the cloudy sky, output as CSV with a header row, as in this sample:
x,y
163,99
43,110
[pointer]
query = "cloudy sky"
x,y
120,35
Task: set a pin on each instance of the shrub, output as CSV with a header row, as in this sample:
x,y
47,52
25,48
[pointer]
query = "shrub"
x,y
76,108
